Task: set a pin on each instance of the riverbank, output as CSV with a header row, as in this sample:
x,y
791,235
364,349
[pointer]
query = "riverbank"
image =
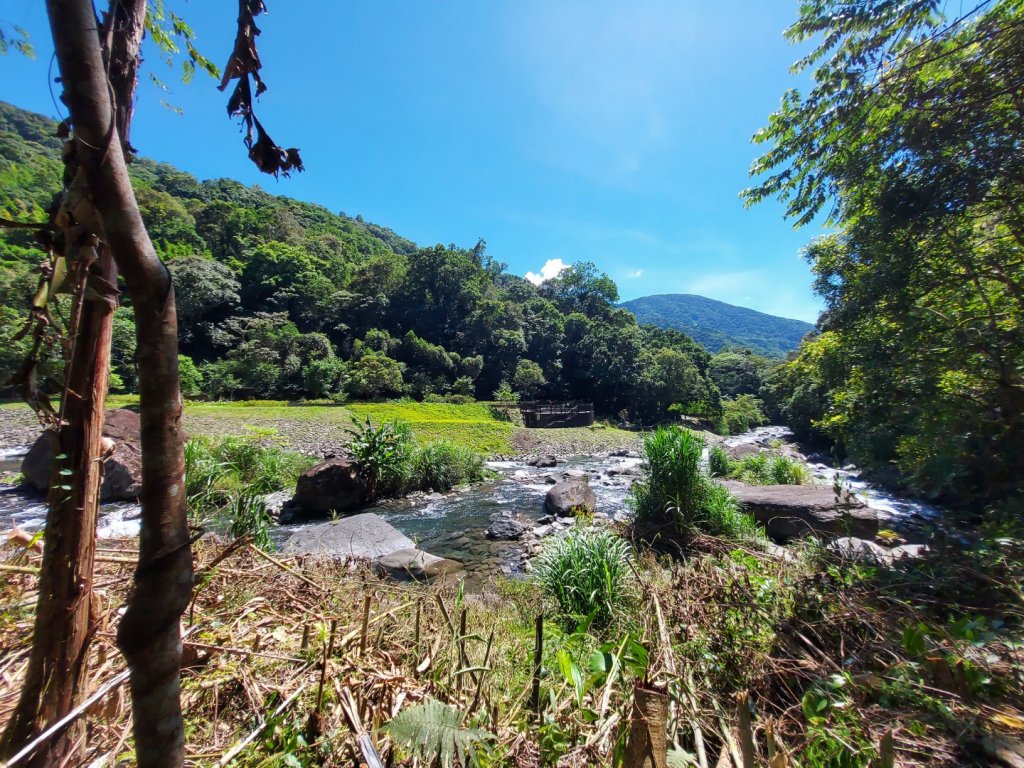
x,y
321,430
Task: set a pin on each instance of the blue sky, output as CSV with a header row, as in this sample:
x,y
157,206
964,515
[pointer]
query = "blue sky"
x,y
558,130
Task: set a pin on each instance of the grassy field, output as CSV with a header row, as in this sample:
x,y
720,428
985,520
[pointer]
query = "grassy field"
x,y
319,428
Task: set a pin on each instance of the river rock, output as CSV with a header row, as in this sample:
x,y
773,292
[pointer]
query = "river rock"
x,y
415,564
365,536
742,450
335,485
790,511
504,527
860,550
543,462
122,469
570,497
909,552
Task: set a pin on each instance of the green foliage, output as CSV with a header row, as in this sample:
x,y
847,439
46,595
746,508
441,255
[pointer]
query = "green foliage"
x,y
385,454
443,465
766,469
719,463
918,364
718,326
528,379
226,479
434,732
675,491
190,379
741,414
587,573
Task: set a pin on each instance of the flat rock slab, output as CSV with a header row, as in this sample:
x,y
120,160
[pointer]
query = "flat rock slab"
x,y
365,536
790,511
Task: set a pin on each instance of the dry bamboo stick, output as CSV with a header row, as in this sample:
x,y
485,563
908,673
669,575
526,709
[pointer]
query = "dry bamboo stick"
x,y
68,718
746,729
286,568
232,753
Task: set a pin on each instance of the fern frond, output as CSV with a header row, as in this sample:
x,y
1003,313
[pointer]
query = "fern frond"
x,y
432,730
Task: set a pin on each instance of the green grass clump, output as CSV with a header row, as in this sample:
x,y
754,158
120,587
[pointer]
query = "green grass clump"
x,y
226,479
587,573
765,469
442,465
385,454
719,462
675,490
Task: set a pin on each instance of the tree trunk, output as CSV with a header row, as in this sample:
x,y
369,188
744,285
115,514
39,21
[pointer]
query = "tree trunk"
x,y
149,633
56,674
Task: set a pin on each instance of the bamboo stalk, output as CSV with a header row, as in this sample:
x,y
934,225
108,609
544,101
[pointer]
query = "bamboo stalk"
x,y
746,729
366,623
538,652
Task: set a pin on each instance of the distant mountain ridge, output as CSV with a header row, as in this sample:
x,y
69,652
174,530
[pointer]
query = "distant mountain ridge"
x,y
715,324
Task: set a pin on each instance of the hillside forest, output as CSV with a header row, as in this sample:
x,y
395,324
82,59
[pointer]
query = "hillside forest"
x,y
283,299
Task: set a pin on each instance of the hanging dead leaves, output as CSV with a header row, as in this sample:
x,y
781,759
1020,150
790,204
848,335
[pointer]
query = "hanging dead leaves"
x,y
244,64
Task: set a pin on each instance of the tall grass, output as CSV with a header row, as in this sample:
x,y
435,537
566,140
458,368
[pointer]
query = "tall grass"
x,y
676,491
442,465
766,469
587,573
226,479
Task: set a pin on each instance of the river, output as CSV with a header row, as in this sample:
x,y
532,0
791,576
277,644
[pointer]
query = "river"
x,y
453,524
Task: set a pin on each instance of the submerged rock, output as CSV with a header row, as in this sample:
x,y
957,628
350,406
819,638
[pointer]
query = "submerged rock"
x,y
365,536
412,563
504,527
122,469
569,498
335,485
790,511
543,462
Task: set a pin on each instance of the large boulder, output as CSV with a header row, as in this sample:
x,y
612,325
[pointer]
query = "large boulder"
x,y
569,498
335,485
790,511
122,469
415,564
361,537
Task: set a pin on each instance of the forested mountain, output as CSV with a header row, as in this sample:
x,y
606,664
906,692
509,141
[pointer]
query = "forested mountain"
x,y
282,298
717,325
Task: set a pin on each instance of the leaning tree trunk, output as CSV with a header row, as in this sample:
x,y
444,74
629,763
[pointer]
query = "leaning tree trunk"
x,y
149,633
55,677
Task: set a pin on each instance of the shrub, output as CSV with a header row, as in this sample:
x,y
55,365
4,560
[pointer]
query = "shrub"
x,y
741,414
675,490
385,454
719,462
443,465
587,573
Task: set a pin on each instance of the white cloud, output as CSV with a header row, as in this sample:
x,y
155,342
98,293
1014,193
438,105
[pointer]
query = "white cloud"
x,y
552,268
635,273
